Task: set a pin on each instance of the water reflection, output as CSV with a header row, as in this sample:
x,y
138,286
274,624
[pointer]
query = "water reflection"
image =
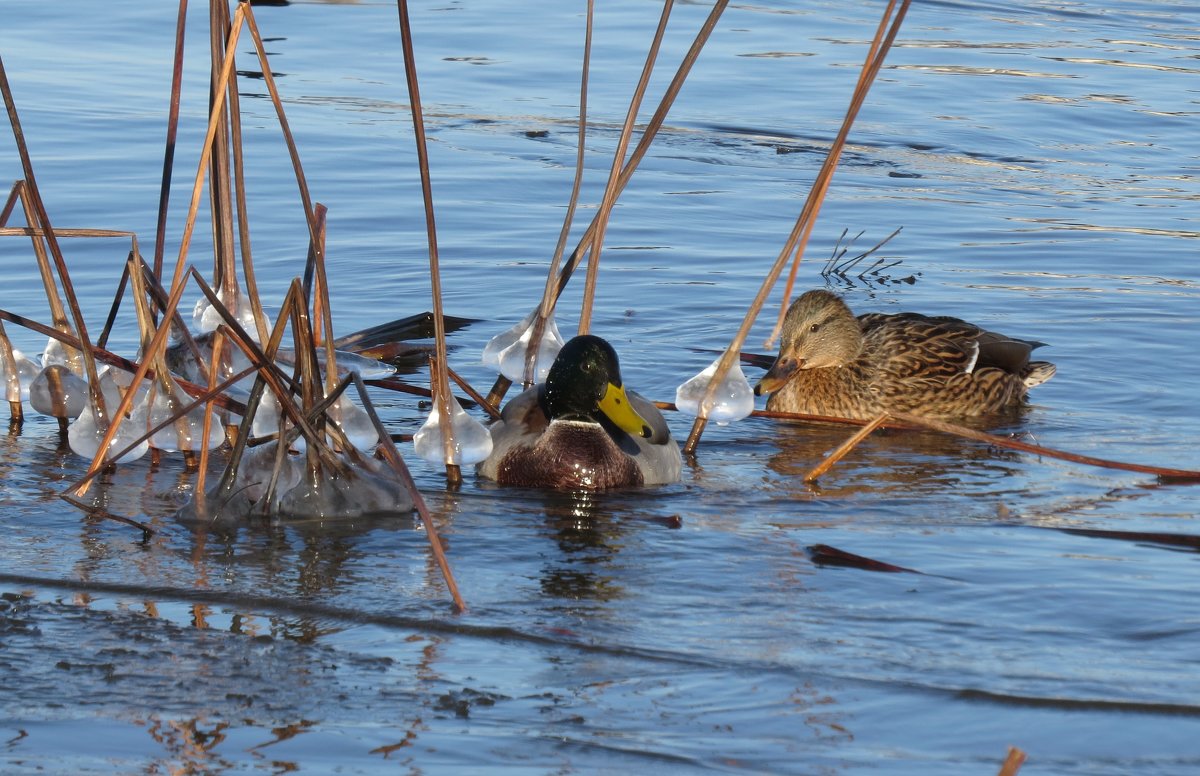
x,y
889,462
588,536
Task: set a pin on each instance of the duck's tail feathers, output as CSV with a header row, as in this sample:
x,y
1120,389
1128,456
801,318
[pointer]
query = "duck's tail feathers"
x,y
1037,372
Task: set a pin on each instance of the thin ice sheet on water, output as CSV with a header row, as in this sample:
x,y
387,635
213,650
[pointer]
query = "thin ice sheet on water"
x,y
506,351
472,442
733,400
58,392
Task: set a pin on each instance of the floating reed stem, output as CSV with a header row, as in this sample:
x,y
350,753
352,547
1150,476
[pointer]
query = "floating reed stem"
x,y
807,214
907,422
845,447
611,189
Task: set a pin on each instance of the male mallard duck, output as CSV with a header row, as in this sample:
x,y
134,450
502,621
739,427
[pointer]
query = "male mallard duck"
x,y
831,363
581,430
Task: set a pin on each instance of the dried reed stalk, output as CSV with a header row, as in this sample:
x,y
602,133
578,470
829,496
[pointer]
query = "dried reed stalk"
x,y
164,192
871,64
845,447
178,277
439,377
611,188
1013,762
807,214
639,152
546,309
42,221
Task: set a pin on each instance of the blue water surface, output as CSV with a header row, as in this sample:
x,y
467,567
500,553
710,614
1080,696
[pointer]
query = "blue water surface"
x,y
1043,162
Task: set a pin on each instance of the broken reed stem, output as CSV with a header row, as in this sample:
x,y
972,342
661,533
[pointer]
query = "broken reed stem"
x,y
843,449
164,193
95,511
611,188
178,277
548,297
389,453
440,378
807,215
33,231
1013,762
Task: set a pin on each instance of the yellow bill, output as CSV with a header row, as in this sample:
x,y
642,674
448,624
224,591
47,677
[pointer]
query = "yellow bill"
x,y
616,407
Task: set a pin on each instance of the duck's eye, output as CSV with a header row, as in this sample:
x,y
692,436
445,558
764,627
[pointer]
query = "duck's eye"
x,y
814,328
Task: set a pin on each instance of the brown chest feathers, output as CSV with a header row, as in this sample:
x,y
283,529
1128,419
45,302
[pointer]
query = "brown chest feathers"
x,y
570,455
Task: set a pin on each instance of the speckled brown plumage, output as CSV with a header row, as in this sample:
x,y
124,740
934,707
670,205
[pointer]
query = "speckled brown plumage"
x,y
832,363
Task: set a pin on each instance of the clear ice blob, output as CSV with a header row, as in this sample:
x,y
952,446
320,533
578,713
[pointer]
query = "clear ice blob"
x,y
506,351
354,422
16,379
472,442
186,432
206,318
57,353
345,493
85,434
733,400
58,392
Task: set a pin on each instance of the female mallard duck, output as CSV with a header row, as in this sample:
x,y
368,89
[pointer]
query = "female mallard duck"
x,y
831,363
581,430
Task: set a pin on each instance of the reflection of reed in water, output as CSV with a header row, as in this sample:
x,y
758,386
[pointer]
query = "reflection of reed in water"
x,y
891,461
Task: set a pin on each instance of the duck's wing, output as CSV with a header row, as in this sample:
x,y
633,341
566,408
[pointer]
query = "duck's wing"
x,y
921,342
909,345
522,422
660,434
657,456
